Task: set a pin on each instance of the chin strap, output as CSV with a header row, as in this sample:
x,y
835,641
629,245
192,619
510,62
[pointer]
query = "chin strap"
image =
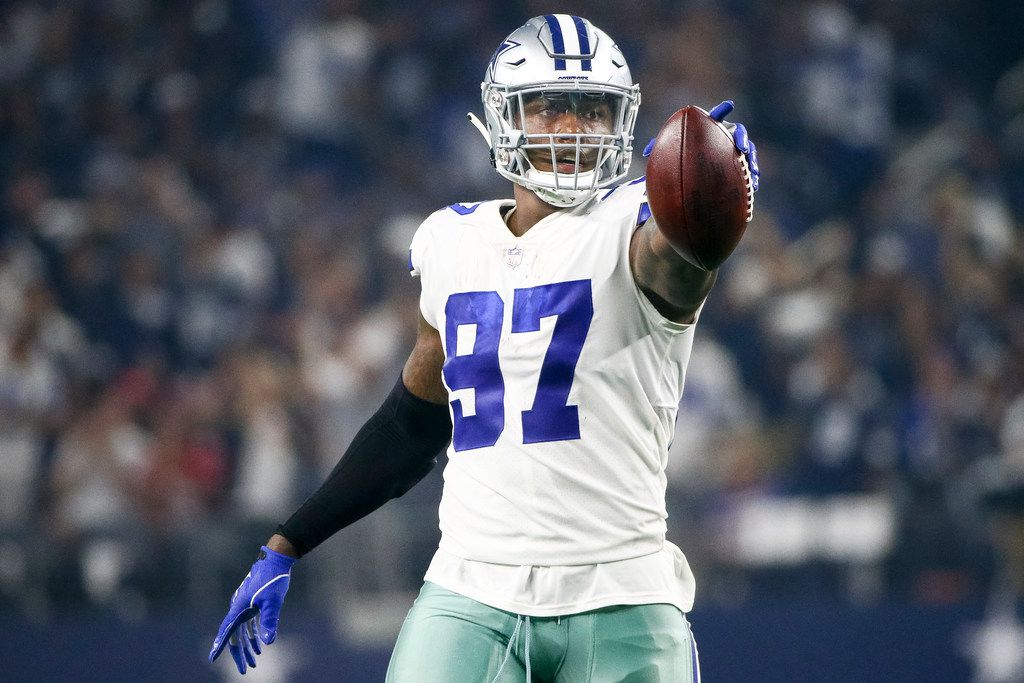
x,y
483,131
479,126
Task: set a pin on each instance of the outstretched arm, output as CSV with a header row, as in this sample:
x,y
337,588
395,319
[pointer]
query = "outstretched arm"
x,y
676,287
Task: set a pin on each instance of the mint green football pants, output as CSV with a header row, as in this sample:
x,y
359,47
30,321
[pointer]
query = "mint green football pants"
x,y
449,638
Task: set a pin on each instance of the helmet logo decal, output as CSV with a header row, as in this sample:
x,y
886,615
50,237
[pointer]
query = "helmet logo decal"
x,y
502,49
564,26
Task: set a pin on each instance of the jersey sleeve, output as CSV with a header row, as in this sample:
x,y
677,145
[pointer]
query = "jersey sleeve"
x,y
420,251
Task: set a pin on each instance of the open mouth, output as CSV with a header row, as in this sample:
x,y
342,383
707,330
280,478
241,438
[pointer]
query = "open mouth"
x,y
566,165
564,161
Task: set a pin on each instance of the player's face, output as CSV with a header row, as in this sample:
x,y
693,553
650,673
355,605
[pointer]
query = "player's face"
x,y
567,114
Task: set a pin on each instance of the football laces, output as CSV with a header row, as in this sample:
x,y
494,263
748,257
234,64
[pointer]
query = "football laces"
x,y
748,181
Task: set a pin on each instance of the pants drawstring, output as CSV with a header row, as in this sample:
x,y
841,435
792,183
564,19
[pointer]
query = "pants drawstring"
x,y
508,650
526,654
512,642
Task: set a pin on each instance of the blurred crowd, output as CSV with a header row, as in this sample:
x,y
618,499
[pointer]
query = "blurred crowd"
x,y
206,207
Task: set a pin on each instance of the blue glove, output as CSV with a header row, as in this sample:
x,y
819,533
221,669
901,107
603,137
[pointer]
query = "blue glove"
x,y
255,609
739,138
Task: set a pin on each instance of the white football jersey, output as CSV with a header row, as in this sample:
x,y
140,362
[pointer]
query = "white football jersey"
x,y
564,383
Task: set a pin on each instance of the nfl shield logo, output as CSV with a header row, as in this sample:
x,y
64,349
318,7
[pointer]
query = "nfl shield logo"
x,y
513,257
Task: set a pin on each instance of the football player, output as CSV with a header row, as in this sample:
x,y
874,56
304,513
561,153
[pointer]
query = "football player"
x,y
553,341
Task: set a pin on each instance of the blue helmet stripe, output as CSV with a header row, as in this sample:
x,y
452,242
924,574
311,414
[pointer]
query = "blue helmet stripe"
x,y
581,31
557,42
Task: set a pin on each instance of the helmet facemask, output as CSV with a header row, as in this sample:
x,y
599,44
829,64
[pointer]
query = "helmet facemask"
x,y
576,68
564,167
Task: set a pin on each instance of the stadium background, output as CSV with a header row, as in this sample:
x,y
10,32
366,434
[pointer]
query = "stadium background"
x,y
204,217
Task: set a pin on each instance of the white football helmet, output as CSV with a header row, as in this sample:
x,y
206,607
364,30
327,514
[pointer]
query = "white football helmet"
x,y
565,58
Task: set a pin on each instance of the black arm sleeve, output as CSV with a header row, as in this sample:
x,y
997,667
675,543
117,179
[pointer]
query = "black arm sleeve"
x,y
396,448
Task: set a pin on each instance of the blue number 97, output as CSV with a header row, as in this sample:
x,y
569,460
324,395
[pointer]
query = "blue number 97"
x,y
550,418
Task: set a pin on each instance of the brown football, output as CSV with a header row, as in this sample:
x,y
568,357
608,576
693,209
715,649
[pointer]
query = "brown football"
x,y
698,186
